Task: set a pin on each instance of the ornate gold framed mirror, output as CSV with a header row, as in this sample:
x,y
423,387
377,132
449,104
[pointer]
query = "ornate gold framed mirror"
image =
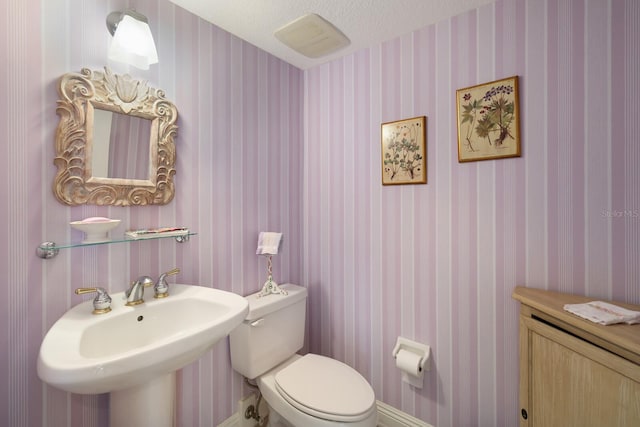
x,y
114,142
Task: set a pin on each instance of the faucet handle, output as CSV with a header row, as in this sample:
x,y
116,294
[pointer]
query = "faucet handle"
x,y
102,301
161,289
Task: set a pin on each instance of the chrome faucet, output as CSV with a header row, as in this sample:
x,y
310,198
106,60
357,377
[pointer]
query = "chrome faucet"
x,y
135,293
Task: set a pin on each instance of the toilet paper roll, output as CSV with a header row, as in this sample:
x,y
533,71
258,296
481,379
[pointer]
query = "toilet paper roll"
x,y
408,362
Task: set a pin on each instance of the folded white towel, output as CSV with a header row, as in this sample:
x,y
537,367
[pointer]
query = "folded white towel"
x,y
268,243
603,313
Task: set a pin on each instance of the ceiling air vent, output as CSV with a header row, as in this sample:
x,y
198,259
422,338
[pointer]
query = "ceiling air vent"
x,y
312,36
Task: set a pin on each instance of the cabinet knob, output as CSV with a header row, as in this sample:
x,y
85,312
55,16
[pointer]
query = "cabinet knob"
x,y
524,414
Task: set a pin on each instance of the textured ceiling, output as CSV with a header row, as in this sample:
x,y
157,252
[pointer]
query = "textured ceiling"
x,y
364,22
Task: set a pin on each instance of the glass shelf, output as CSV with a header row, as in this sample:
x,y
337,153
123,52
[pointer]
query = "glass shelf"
x,y
48,250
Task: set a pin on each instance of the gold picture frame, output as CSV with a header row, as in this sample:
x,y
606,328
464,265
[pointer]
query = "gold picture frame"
x,y
404,151
488,118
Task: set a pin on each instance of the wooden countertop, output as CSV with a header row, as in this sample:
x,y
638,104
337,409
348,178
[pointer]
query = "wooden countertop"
x,y
622,339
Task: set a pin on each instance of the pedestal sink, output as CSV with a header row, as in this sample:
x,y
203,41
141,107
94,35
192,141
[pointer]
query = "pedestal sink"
x,y
134,352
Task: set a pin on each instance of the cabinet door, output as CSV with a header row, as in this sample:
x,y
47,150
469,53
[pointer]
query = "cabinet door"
x,y
574,383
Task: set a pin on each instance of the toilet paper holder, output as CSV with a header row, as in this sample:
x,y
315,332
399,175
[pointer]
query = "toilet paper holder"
x,y
423,364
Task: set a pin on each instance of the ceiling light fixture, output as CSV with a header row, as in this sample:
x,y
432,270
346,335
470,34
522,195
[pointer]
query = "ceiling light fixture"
x,y
132,40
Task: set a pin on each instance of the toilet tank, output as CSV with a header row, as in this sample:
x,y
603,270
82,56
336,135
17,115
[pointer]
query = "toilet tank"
x,y
272,332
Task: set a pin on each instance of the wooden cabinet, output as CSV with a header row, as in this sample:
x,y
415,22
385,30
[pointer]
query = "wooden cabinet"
x,y
574,372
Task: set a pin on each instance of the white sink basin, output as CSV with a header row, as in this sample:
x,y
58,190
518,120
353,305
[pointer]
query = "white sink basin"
x,y
88,353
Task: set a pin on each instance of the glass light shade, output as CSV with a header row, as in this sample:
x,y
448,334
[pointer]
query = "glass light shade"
x,y
133,44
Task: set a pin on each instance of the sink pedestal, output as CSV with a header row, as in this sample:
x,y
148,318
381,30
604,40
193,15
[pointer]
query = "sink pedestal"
x,y
149,404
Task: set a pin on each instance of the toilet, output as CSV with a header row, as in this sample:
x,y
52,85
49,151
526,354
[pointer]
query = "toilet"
x,y
301,391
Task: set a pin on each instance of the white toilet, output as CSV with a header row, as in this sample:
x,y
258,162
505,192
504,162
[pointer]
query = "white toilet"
x,y
301,391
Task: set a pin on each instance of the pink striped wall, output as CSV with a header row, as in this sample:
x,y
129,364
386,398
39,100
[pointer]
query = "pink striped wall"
x,y
238,172
438,262
263,145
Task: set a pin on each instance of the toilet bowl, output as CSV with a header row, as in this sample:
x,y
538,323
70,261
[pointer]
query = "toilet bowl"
x,y
316,391
301,391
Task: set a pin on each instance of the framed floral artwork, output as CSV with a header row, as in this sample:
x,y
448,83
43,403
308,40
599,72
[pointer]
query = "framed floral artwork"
x,y
488,121
404,151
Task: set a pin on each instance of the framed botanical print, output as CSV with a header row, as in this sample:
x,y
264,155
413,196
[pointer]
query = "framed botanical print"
x,y
488,121
404,151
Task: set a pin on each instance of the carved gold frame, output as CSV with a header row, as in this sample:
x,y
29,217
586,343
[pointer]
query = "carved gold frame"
x,y
80,94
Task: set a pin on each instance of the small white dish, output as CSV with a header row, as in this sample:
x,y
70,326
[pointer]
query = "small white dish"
x,y
96,229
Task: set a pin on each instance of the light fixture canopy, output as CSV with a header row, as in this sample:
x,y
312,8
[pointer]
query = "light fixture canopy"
x,y
132,40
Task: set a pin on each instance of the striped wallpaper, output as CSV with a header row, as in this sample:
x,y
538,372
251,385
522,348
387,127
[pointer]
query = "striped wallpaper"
x,y
265,146
239,169
438,262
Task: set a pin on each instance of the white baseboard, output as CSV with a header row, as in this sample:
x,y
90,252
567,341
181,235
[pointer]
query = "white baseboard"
x,y
388,416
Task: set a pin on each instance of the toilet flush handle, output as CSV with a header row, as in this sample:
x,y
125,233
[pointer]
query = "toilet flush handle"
x,y
257,323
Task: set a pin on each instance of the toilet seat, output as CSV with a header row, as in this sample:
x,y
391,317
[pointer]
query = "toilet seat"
x,y
326,388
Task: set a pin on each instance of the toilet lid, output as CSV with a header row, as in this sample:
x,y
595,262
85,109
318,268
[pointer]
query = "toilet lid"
x,y
326,388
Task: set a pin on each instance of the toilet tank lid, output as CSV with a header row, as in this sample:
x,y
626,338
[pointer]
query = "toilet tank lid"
x,y
261,306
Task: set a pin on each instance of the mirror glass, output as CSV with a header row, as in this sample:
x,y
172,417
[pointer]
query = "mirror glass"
x,y
114,142
120,145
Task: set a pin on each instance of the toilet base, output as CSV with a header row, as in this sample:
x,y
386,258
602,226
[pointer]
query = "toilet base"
x,y
275,420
